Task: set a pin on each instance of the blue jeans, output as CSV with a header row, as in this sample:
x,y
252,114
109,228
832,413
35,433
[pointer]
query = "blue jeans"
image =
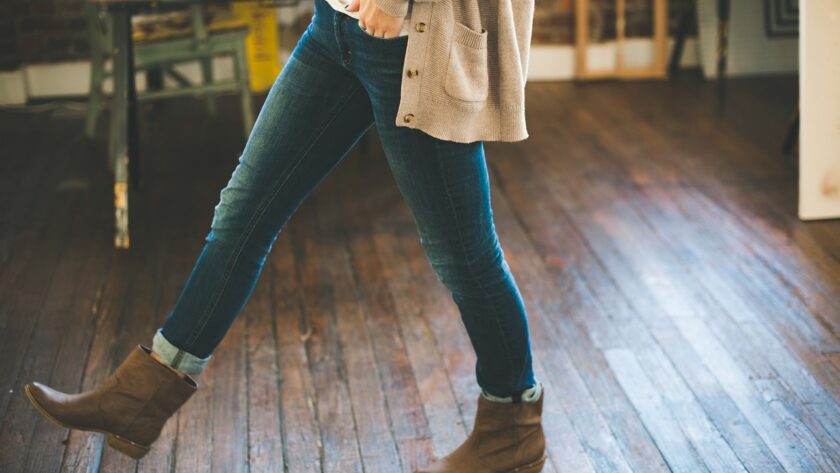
x,y
338,82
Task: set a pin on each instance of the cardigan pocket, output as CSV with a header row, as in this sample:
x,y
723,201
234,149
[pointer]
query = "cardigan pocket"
x,y
467,77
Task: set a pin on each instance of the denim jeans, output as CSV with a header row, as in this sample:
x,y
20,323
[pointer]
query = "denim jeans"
x,y
338,82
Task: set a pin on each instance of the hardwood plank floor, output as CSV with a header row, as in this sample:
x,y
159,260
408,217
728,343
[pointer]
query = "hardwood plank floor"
x,y
683,319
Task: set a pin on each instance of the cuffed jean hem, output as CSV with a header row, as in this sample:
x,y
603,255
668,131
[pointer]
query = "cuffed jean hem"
x,y
531,394
177,358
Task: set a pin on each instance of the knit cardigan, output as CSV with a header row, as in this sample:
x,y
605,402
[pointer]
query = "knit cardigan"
x,y
465,69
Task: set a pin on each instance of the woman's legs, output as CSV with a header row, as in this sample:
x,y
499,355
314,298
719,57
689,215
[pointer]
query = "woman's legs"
x,y
313,115
338,81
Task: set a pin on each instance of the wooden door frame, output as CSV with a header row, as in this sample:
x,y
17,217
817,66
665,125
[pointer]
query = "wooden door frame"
x,y
660,44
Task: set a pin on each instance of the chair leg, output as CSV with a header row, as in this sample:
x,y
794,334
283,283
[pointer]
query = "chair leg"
x,y
245,88
97,72
207,76
792,135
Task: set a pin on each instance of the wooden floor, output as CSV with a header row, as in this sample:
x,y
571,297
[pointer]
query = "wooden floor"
x,y
682,317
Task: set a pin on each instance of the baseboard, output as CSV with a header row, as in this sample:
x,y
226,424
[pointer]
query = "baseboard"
x,y
553,63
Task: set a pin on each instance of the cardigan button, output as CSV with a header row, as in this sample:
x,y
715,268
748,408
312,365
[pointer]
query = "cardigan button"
x,y
421,27
408,116
411,72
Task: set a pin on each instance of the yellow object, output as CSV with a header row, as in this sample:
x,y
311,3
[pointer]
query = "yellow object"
x,y
262,43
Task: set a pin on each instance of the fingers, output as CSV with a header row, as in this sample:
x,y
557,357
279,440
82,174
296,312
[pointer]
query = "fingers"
x,y
354,5
373,31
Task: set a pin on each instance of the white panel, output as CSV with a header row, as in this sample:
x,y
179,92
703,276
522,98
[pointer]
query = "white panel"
x,y
557,61
819,93
58,79
550,62
12,88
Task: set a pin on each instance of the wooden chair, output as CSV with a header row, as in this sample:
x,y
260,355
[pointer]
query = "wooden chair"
x,y
162,48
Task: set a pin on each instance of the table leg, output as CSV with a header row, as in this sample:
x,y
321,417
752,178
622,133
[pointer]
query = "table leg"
x,y
133,111
121,121
723,8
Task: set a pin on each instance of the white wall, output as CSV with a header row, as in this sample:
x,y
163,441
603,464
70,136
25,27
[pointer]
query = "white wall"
x,y
819,97
750,50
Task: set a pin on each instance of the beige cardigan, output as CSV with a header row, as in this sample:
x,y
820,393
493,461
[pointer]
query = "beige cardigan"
x,y
466,65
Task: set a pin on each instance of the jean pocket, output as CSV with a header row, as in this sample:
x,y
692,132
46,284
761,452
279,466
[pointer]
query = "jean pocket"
x,y
467,75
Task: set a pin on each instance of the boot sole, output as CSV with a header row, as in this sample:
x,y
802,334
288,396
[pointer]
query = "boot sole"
x,y
123,445
535,467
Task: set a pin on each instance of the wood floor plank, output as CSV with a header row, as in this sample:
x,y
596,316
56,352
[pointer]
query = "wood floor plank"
x,y
730,143
675,447
265,439
377,447
229,404
438,399
44,289
732,196
301,438
749,403
735,348
29,168
636,246
767,347
27,273
324,351
722,411
65,332
811,297
405,412
679,310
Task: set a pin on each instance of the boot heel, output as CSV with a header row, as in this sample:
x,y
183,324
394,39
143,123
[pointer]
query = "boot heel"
x,y
535,467
134,450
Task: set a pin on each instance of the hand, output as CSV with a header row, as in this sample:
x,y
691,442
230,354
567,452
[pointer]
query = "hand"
x,y
375,21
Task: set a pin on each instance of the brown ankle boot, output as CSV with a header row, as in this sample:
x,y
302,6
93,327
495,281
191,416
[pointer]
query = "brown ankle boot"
x,y
506,438
130,407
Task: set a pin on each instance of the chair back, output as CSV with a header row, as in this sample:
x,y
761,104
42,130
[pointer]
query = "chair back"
x,y
100,27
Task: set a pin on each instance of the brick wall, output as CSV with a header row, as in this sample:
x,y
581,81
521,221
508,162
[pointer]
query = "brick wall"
x,y
36,31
